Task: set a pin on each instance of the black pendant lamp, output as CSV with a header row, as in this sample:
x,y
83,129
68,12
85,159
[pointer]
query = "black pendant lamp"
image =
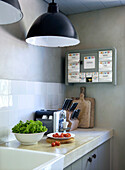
x,y
52,29
10,12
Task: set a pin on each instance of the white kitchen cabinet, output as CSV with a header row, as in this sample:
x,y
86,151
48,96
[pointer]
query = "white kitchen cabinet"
x,y
98,159
77,165
86,164
103,153
68,167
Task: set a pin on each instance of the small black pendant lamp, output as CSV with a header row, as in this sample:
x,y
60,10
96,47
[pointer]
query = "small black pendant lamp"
x,y
52,29
10,12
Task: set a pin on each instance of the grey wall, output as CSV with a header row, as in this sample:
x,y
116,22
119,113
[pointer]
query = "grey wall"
x,y
20,61
98,29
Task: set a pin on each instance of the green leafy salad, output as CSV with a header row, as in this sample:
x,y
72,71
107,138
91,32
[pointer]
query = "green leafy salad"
x,y
29,127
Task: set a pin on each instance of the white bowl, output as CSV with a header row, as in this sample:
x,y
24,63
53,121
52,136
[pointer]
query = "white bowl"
x,y
29,139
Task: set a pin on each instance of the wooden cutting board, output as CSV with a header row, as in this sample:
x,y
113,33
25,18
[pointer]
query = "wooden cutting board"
x,y
92,113
62,141
85,111
86,117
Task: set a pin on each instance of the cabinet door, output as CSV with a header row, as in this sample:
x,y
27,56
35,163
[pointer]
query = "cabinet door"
x,y
77,165
103,156
68,167
100,159
86,164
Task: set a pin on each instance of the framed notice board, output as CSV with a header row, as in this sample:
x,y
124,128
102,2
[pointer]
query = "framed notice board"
x,y
91,66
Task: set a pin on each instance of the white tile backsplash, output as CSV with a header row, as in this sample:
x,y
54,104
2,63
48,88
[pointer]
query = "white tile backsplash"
x,y
17,87
30,88
4,87
13,117
20,99
4,118
40,88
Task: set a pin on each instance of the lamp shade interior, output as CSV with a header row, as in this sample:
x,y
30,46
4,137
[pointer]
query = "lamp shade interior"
x,y
52,41
10,12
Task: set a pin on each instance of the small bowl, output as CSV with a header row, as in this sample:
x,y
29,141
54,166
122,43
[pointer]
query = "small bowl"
x,y
29,139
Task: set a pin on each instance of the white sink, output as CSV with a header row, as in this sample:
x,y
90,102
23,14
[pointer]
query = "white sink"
x,y
21,159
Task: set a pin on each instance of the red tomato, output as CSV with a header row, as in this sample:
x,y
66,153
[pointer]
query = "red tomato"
x,y
66,135
56,135
53,144
69,135
61,135
57,143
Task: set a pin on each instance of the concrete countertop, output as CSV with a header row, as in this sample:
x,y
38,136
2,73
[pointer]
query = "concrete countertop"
x,y
85,141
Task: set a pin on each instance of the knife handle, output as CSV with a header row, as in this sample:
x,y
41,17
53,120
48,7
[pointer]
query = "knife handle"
x,y
72,108
66,104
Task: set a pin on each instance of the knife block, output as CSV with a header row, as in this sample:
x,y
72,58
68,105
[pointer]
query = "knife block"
x,y
73,123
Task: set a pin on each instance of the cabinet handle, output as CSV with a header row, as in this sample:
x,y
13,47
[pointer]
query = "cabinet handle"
x,y
94,156
90,159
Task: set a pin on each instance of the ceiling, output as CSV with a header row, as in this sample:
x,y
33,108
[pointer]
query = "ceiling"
x,y
78,6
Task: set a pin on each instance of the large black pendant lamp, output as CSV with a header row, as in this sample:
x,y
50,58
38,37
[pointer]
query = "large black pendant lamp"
x,y
10,12
52,29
